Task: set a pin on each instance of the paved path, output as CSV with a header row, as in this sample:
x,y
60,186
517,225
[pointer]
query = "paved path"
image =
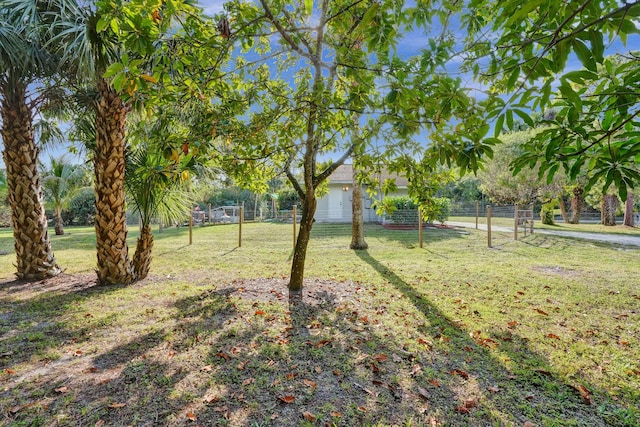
x,y
620,239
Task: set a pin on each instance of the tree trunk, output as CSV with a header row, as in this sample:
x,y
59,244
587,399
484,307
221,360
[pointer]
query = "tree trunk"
x,y
142,257
35,259
563,210
628,211
114,265
577,204
610,207
304,234
59,223
357,217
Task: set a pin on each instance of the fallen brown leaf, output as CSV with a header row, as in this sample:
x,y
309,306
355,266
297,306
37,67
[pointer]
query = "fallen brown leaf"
x,y
380,357
309,383
544,313
287,399
62,389
248,381
211,398
585,393
191,416
471,403
309,416
116,405
335,414
460,372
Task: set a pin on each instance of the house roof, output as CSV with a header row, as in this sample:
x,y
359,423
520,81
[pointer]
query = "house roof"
x,y
344,174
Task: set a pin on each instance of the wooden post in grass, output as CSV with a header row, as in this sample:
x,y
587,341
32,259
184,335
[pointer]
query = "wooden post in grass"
x,y
477,213
191,226
489,225
295,214
515,222
240,215
420,226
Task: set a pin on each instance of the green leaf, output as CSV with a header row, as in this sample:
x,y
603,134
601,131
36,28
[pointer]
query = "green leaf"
x,y
499,124
513,78
113,70
597,44
580,76
102,23
525,117
114,26
369,15
308,6
585,55
392,96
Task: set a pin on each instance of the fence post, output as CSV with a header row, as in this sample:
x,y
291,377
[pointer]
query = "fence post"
x,y
191,226
420,225
295,214
477,213
515,222
489,225
240,215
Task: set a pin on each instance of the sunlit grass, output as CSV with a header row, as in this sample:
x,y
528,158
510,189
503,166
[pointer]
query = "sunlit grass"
x,y
529,321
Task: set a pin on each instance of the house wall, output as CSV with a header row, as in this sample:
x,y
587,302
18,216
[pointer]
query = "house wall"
x,y
336,205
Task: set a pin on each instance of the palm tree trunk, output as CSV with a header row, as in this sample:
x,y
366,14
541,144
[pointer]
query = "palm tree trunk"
x,y
35,259
114,265
577,204
563,210
59,224
142,257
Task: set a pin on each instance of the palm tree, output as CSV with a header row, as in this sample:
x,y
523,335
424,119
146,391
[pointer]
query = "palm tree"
x,y
154,190
59,183
87,53
24,62
95,48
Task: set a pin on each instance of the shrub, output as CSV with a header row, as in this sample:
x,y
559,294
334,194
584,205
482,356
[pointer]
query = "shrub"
x,y
546,213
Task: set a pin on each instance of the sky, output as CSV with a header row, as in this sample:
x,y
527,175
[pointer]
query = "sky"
x,y
410,45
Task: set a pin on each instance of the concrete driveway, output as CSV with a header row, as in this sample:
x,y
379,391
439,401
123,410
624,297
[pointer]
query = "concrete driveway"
x,y
619,239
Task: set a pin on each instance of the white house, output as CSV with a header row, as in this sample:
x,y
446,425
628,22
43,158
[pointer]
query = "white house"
x,y
335,206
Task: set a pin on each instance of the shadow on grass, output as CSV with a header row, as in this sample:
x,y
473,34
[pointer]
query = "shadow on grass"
x,y
528,380
221,358
35,326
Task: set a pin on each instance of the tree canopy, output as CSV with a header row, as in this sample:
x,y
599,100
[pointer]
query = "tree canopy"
x,y
527,59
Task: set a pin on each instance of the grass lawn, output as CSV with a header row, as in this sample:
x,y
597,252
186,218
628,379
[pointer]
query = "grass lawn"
x,y
544,331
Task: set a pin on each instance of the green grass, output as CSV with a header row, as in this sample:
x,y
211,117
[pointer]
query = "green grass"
x,y
454,332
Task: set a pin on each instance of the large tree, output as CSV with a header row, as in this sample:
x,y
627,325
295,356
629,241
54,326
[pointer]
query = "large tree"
x,y
24,63
327,68
108,46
